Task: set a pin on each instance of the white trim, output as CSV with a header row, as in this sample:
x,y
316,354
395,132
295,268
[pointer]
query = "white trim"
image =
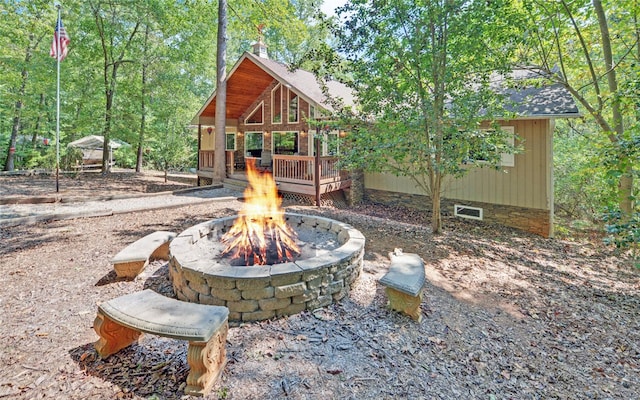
x,y
509,159
459,207
261,104
260,62
543,116
289,91
281,79
279,86
235,141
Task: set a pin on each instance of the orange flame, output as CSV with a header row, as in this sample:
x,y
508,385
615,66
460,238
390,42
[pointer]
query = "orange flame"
x,y
260,234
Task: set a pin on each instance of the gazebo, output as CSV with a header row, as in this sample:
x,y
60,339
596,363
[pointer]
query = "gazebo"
x,y
92,147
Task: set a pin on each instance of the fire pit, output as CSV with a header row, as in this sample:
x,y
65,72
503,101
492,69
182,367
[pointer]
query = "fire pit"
x,y
329,263
265,263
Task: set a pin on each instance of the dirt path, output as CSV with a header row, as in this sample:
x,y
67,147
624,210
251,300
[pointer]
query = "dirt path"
x,y
507,315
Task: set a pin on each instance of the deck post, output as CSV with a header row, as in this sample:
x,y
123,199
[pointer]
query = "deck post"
x,y
316,172
198,155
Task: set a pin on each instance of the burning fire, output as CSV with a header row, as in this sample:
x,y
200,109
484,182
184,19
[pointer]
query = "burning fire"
x,y
260,234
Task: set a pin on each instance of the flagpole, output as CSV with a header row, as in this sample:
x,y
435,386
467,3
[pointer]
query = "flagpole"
x,y
58,102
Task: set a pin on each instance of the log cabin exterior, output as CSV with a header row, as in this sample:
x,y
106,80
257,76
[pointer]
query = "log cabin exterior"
x,y
267,112
267,109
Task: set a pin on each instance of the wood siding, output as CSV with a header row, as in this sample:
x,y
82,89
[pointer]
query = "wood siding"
x,y
528,184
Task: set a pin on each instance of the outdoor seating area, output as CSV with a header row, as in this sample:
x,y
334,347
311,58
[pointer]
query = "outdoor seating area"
x,y
471,308
122,320
310,200
131,260
404,282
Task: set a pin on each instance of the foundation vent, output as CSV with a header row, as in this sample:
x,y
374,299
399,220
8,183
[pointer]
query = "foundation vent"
x,y
463,211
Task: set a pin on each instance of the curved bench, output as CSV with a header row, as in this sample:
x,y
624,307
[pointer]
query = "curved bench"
x,y
404,282
131,260
122,320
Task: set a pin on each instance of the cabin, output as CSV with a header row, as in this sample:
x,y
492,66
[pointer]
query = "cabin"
x,y
267,111
267,123
519,193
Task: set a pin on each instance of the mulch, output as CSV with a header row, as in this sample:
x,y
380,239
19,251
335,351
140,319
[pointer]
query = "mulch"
x,y
506,314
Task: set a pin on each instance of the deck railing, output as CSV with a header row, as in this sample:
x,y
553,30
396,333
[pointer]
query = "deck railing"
x,y
206,159
301,169
291,169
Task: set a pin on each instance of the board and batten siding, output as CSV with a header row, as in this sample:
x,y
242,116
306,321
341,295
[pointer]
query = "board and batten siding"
x,y
527,184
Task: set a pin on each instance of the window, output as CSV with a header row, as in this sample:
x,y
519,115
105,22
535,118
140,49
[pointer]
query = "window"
x,y
333,144
253,144
293,107
230,142
482,143
285,143
276,105
257,115
329,143
312,111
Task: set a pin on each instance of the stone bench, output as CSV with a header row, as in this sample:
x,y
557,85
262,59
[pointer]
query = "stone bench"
x,y
121,321
129,262
404,282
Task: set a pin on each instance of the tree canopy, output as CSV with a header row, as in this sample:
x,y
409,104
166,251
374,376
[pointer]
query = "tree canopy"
x,y
132,67
421,70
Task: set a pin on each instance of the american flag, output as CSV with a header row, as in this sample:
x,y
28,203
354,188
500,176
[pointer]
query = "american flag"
x,y
59,36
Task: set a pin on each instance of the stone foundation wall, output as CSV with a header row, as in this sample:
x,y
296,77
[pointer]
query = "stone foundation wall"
x,y
355,193
263,292
527,219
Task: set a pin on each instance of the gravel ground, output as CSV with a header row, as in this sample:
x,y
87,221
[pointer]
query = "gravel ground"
x,y
506,315
16,214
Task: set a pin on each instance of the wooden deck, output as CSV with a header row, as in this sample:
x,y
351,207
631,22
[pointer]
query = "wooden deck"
x,y
293,174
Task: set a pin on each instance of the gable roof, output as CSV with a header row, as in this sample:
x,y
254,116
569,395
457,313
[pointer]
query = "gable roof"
x,y
251,75
94,142
529,95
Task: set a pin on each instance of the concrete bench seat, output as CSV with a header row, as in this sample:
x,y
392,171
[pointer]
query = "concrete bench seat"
x,y
404,282
121,321
131,260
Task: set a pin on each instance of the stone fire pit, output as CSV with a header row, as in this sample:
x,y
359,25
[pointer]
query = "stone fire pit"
x,y
330,261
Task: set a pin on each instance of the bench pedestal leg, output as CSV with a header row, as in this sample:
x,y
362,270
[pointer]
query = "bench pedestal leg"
x,y
113,336
129,269
206,360
405,303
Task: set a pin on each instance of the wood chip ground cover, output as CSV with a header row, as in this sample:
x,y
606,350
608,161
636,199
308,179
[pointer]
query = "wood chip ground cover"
x,y
507,315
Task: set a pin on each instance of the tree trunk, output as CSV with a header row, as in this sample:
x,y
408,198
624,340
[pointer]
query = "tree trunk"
x,y
110,86
34,137
625,185
17,114
143,110
219,160
9,163
436,217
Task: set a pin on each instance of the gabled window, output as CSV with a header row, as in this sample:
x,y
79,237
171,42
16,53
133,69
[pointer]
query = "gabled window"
x,y
257,115
276,105
293,106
